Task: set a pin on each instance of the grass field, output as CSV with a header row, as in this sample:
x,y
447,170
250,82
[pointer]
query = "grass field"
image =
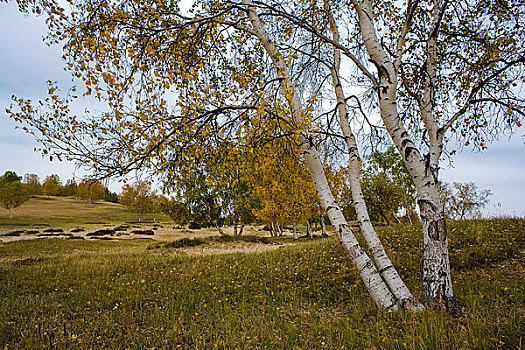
x,y
143,294
65,211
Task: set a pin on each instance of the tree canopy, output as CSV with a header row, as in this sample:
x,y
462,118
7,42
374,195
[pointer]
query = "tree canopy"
x,y
12,192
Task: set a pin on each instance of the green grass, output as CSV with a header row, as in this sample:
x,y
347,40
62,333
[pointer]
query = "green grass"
x,y
106,294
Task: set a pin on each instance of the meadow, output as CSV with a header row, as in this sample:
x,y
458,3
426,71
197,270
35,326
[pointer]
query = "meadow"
x,y
197,290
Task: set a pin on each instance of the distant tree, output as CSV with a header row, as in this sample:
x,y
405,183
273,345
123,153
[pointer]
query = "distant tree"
x,y
33,184
90,190
69,189
51,186
175,209
139,198
12,193
110,196
387,185
10,176
200,198
463,199
338,179
281,182
382,195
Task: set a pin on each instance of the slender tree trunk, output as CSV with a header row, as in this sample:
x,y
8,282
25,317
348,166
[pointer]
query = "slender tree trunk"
x,y
409,216
373,281
295,236
240,229
423,170
11,213
383,215
219,228
323,226
309,231
280,229
235,228
385,266
396,218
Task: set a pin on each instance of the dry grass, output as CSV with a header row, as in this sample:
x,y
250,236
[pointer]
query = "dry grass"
x,y
42,213
139,294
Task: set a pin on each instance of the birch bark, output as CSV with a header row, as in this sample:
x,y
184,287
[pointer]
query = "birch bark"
x,y
369,274
295,236
437,282
323,226
384,265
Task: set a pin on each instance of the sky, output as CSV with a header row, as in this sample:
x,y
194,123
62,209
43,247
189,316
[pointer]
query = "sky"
x,y
26,63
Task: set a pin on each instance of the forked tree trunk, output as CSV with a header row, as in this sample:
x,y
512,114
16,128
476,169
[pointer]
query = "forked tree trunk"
x,y
437,283
272,229
384,265
373,281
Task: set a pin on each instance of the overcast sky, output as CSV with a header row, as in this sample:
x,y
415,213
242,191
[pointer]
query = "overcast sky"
x,y
26,63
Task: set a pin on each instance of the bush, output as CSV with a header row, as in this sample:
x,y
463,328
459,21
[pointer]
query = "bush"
x,y
194,226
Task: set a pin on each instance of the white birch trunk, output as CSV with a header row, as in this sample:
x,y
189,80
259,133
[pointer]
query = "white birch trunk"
x,y
396,218
280,229
384,265
366,268
323,227
437,285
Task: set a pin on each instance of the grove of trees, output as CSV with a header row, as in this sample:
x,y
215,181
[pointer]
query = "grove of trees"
x,y
187,92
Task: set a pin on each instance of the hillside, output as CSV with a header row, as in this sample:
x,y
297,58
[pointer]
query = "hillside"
x,y
65,211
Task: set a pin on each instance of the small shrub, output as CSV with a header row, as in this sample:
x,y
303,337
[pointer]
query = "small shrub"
x,y
194,226
248,239
12,234
143,232
102,232
185,242
50,230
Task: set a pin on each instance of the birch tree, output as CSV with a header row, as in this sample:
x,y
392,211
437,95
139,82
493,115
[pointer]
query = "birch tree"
x,y
220,62
233,65
434,72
